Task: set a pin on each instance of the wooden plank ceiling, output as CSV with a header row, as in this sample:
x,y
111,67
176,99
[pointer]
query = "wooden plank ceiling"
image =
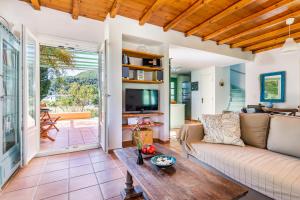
x,y
253,25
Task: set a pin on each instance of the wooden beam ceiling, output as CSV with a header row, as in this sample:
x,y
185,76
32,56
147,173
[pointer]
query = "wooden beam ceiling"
x,y
272,34
114,9
272,42
188,12
75,9
239,5
248,19
155,6
263,27
260,28
36,4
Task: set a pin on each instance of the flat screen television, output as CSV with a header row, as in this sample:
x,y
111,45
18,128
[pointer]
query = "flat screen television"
x,y
140,100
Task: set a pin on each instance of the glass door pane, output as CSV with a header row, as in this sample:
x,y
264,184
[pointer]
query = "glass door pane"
x,y
10,98
31,81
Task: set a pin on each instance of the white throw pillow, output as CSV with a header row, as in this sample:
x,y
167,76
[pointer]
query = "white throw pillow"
x,y
222,129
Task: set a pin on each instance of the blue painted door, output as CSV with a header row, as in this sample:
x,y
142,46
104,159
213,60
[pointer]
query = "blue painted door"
x,y
10,128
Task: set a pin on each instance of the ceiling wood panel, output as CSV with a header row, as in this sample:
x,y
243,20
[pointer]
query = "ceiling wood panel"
x,y
277,21
214,19
261,14
272,42
267,36
254,25
184,14
154,7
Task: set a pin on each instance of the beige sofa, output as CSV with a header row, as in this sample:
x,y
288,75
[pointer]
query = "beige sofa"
x,y
258,165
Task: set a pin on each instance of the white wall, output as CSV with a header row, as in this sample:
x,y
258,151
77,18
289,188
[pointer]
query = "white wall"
x,y
205,79
216,97
272,61
222,93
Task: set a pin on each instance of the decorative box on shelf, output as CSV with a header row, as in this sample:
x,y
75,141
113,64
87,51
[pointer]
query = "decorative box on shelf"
x,y
139,75
147,136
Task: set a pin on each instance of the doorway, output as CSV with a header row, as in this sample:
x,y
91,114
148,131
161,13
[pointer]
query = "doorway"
x,y
69,93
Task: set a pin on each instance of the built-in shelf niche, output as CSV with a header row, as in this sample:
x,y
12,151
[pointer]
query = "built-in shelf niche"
x,y
136,50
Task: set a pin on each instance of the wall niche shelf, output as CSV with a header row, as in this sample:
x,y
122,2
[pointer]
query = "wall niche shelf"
x,y
139,54
152,114
141,81
145,68
155,124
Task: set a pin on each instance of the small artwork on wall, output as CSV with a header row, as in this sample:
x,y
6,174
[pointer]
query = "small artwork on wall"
x,y
272,87
194,86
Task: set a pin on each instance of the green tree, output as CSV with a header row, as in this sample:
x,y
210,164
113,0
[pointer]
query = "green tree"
x,y
77,95
56,59
83,94
45,82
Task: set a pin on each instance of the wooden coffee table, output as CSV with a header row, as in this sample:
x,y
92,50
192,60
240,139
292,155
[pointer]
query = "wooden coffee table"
x,y
184,180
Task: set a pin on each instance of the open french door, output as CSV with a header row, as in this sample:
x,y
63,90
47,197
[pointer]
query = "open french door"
x,y
103,97
31,96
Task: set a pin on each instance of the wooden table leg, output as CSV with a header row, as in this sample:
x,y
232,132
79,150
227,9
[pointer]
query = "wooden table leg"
x,y
130,192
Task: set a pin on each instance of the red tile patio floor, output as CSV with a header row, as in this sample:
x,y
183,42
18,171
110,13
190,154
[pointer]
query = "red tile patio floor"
x,y
72,132
88,175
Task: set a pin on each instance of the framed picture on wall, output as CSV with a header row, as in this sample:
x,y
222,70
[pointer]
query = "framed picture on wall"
x,y
272,86
194,86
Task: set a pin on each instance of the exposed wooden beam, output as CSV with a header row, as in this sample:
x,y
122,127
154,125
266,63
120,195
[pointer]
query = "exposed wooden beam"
x,y
268,48
115,8
259,28
146,16
272,34
36,4
272,47
188,12
248,19
239,5
75,9
271,42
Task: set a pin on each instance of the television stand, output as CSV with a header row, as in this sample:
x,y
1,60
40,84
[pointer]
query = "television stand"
x,y
150,114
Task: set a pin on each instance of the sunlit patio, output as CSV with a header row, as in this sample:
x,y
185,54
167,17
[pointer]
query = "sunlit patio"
x,y
74,132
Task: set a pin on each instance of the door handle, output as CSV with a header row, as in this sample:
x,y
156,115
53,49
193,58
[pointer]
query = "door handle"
x,y
202,100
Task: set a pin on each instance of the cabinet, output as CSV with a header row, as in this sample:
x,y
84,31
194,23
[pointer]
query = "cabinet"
x,y
10,153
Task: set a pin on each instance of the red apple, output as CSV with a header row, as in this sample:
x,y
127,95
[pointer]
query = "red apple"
x,y
144,150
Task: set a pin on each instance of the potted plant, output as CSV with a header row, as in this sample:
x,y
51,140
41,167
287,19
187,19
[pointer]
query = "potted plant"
x,y
139,137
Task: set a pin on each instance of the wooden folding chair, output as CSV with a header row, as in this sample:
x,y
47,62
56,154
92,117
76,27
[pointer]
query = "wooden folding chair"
x,y
47,123
45,128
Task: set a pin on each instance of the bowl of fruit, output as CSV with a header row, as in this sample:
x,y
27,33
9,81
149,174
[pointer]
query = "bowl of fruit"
x,y
163,161
149,150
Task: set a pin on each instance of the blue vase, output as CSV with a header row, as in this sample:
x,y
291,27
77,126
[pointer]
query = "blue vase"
x,y
270,105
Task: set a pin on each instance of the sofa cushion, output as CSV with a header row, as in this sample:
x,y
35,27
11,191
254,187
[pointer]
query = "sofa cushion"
x,y
222,128
272,174
254,129
284,135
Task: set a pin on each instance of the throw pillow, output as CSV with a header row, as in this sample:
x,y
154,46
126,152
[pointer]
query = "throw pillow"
x,y
222,129
254,129
284,135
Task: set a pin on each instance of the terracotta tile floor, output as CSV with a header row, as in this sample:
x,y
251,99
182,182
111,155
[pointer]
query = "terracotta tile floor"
x,y
72,132
84,175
